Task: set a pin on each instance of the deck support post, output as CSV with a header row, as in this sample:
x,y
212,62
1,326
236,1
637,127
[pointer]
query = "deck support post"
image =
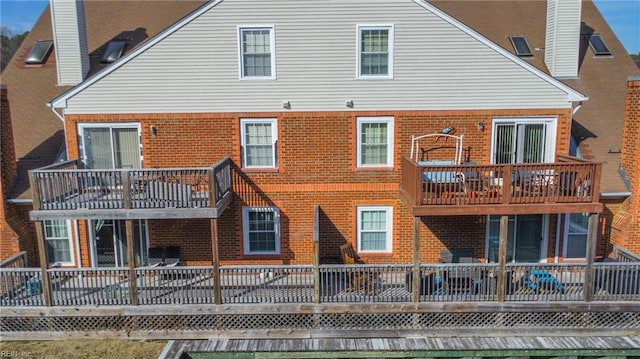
x,y
502,257
415,273
316,254
131,260
592,240
44,261
217,291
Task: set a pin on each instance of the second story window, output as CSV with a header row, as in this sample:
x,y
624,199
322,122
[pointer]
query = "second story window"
x,y
375,141
259,138
375,51
257,52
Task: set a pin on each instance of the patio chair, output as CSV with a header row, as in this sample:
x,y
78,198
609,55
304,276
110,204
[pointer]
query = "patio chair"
x,y
155,256
360,281
172,256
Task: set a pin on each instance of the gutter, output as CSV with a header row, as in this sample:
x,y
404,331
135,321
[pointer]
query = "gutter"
x,y
19,201
615,194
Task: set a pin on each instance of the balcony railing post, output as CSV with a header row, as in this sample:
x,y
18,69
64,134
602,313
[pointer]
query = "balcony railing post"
x,y
44,262
213,187
592,240
502,257
316,254
126,189
131,259
507,184
217,287
415,273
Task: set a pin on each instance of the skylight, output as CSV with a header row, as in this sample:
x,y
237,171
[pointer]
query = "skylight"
x,y
597,45
113,51
520,45
39,53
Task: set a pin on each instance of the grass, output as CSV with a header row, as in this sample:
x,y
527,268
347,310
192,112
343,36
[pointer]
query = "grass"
x,y
83,349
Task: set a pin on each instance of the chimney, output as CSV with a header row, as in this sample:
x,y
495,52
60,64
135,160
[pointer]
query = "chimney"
x,y
70,40
562,43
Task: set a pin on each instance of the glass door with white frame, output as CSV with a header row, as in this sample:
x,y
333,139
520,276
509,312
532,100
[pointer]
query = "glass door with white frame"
x,y
106,146
523,141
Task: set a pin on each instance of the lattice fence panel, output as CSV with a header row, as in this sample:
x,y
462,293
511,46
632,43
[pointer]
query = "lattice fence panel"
x,y
345,321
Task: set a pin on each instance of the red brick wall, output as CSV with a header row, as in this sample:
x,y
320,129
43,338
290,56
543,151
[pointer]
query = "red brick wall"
x,y
316,165
627,220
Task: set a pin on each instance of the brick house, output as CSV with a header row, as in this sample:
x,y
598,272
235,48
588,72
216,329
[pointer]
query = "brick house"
x,y
320,126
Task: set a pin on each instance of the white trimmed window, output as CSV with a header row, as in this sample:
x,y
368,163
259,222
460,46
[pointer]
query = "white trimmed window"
x,y
261,227
58,240
375,141
375,51
259,139
576,232
257,52
375,228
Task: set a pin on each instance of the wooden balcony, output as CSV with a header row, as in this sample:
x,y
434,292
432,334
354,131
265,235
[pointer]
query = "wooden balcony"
x,y
569,185
66,191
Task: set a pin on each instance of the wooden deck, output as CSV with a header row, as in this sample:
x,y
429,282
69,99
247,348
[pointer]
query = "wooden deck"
x,y
567,186
66,191
296,284
416,347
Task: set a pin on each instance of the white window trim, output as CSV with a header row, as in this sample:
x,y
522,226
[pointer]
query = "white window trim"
x,y
565,242
389,230
72,254
245,229
274,142
389,120
551,124
359,28
272,49
82,126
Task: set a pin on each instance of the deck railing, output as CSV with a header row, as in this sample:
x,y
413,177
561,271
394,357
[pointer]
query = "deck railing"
x,y
66,186
565,181
472,282
623,255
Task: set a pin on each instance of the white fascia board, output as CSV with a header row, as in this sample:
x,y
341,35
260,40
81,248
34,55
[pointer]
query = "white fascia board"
x,y
61,100
574,96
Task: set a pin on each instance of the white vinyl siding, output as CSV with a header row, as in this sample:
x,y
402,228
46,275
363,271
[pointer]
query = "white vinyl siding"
x,y
375,52
375,141
58,241
375,229
436,66
261,227
259,139
257,52
72,59
562,40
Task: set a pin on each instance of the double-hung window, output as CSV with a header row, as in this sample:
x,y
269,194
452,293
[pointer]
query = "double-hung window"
x,y
375,141
257,52
375,51
56,235
577,229
259,139
375,229
261,227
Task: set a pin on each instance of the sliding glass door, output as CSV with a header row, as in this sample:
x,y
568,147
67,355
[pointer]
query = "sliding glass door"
x,y
526,237
110,242
111,146
523,141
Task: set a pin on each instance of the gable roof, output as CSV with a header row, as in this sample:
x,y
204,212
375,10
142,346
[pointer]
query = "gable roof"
x,y
38,132
597,124
60,101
